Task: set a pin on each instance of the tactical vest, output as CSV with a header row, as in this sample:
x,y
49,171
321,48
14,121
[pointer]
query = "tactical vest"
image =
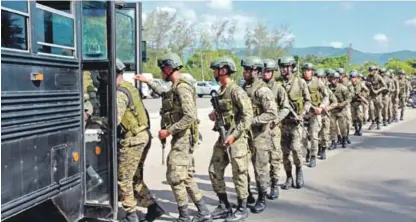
x,y
135,119
88,86
402,86
171,110
338,93
226,107
314,92
295,96
251,92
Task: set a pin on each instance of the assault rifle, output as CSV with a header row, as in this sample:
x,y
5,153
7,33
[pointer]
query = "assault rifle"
x,y
162,126
219,118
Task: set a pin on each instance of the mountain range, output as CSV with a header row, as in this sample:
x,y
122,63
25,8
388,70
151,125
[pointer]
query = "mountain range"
x,y
357,57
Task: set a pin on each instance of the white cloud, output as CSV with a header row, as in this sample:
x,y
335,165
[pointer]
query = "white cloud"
x,y
346,5
411,22
336,44
381,38
220,4
166,9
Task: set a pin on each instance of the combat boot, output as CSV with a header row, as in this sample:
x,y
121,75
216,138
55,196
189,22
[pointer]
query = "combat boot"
x,y
183,214
260,203
250,198
339,141
203,212
240,213
131,217
223,209
388,120
360,126
289,181
299,177
384,122
319,149
348,139
401,117
312,163
344,142
274,190
308,155
373,124
333,145
154,211
378,126
323,153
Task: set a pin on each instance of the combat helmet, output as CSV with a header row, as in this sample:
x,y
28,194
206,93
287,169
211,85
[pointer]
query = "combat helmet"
x,y
270,65
170,59
320,73
308,65
224,61
253,62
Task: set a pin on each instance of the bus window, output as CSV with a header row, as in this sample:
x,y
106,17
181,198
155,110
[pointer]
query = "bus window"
x,y
14,24
55,33
125,35
94,30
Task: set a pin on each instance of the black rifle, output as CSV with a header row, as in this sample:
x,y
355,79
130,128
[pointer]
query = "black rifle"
x,y
162,126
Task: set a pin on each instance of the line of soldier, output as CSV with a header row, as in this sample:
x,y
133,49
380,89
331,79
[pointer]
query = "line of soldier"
x,y
265,121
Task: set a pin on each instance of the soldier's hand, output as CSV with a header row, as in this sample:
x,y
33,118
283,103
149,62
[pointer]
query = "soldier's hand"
x,y
86,116
318,111
163,134
141,78
212,116
230,140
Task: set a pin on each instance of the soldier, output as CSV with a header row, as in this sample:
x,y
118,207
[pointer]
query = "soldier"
x,y
376,85
319,99
276,156
386,95
403,92
300,102
358,99
134,136
364,105
324,134
394,96
345,80
235,108
179,115
339,113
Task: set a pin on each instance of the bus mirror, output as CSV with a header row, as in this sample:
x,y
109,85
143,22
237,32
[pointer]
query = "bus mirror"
x,y
144,51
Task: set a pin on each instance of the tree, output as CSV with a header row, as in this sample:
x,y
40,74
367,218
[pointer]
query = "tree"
x,y
183,36
397,65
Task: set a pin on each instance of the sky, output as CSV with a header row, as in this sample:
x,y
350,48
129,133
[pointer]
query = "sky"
x,y
369,26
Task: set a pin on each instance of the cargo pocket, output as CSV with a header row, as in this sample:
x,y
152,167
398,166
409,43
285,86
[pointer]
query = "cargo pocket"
x,y
176,174
241,163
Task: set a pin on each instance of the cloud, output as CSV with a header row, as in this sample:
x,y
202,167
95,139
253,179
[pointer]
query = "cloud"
x,y
411,22
220,4
336,44
381,39
166,9
346,5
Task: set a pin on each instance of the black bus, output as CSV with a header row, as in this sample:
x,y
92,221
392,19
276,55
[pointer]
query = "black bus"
x,y
49,155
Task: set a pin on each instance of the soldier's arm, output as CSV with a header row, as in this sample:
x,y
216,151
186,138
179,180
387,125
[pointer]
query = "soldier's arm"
x,y
188,105
268,103
347,95
383,84
158,89
397,86
122,103
306,95
332,100
324,94
243,102
283,104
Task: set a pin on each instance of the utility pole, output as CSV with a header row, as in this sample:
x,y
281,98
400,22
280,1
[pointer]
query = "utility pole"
x,y
349,49
202,65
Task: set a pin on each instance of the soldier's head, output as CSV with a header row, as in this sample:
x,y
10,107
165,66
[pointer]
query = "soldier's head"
x,y
287,65
341,71
372,70
270,66
253,67
169,64
401,74
334,78
307,70
120,67
383,71
222,68
320,73
354,76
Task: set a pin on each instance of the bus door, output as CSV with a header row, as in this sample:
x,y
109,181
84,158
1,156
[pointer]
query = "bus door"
x,y
109,32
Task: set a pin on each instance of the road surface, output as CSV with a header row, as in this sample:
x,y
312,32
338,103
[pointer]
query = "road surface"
x,y
371,180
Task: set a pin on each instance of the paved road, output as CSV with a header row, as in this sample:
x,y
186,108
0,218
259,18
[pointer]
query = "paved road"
x,y
153,105
372,180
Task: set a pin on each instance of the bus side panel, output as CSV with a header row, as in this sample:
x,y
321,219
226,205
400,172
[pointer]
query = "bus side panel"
x,y
41,129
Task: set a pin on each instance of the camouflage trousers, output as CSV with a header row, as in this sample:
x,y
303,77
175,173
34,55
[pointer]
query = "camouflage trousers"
x,y
276,156
260,150
340,119
131,157
402,104
395,105
181,169
357,112
324,133
238,155
386,111
365,112
315,125
291,143
375,108
348,119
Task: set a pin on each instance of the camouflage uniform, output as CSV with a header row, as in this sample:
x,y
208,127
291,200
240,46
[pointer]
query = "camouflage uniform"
x,y
376,85
348,84
358,99
394,96
339,113
403,92
319,99
236,110
276,156
134,138
300,101
386,96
